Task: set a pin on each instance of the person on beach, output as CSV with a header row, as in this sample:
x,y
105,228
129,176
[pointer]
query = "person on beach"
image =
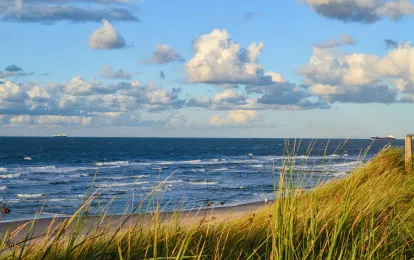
x,y
4,209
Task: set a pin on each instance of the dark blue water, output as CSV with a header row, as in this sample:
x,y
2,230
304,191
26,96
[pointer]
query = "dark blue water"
x,y
52,175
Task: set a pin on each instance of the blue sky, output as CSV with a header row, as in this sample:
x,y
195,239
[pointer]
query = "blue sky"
x,y
308,68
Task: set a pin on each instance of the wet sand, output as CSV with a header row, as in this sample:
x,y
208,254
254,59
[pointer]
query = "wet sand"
x,y
111,223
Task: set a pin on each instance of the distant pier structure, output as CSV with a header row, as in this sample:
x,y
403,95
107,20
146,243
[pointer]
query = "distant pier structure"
x,y
408,151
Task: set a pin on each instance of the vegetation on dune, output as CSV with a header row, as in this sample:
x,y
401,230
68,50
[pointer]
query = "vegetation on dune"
x,y
367,215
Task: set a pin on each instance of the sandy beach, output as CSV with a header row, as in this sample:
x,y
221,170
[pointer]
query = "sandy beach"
x,y
45,226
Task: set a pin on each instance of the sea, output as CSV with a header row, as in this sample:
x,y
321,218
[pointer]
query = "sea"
x,y
47,177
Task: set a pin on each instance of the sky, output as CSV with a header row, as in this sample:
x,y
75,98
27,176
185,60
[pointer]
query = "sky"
x,y
152,68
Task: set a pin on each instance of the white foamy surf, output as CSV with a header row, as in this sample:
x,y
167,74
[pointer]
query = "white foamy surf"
x,y
110,185
31,196
10,175
115,163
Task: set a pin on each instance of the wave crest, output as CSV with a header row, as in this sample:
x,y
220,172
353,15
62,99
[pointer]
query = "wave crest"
x,y
110,185
31,196
115,163
10,175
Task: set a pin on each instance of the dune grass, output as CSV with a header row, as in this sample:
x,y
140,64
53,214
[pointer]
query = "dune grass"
x,y
367,215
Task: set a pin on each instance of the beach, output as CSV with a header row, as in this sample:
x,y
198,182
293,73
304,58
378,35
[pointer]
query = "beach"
x,y
44,226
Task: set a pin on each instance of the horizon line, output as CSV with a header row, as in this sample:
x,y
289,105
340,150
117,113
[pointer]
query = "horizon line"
x,y
178,137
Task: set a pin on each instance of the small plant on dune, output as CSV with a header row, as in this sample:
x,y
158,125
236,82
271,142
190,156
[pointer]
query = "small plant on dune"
x,y
366,215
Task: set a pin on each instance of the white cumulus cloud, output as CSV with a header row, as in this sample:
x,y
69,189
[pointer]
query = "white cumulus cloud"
x,y
338,76
78,86
229,96
83,102
106,37
220,60
234,117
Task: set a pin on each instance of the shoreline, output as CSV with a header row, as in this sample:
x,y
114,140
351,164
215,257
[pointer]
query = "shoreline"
x,y
112,222
214,206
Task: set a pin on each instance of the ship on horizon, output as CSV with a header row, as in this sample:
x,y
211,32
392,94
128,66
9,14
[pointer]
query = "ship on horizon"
x,y
60,135
390,137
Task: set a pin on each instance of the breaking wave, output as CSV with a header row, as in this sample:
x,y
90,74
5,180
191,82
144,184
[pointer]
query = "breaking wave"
x,y
338,174
125,177
179,162
173,181
220,169
78,175
9,176
115,163
31,196
54,214
110,185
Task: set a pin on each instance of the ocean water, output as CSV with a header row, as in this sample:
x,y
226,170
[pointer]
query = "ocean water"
x,y
52,175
